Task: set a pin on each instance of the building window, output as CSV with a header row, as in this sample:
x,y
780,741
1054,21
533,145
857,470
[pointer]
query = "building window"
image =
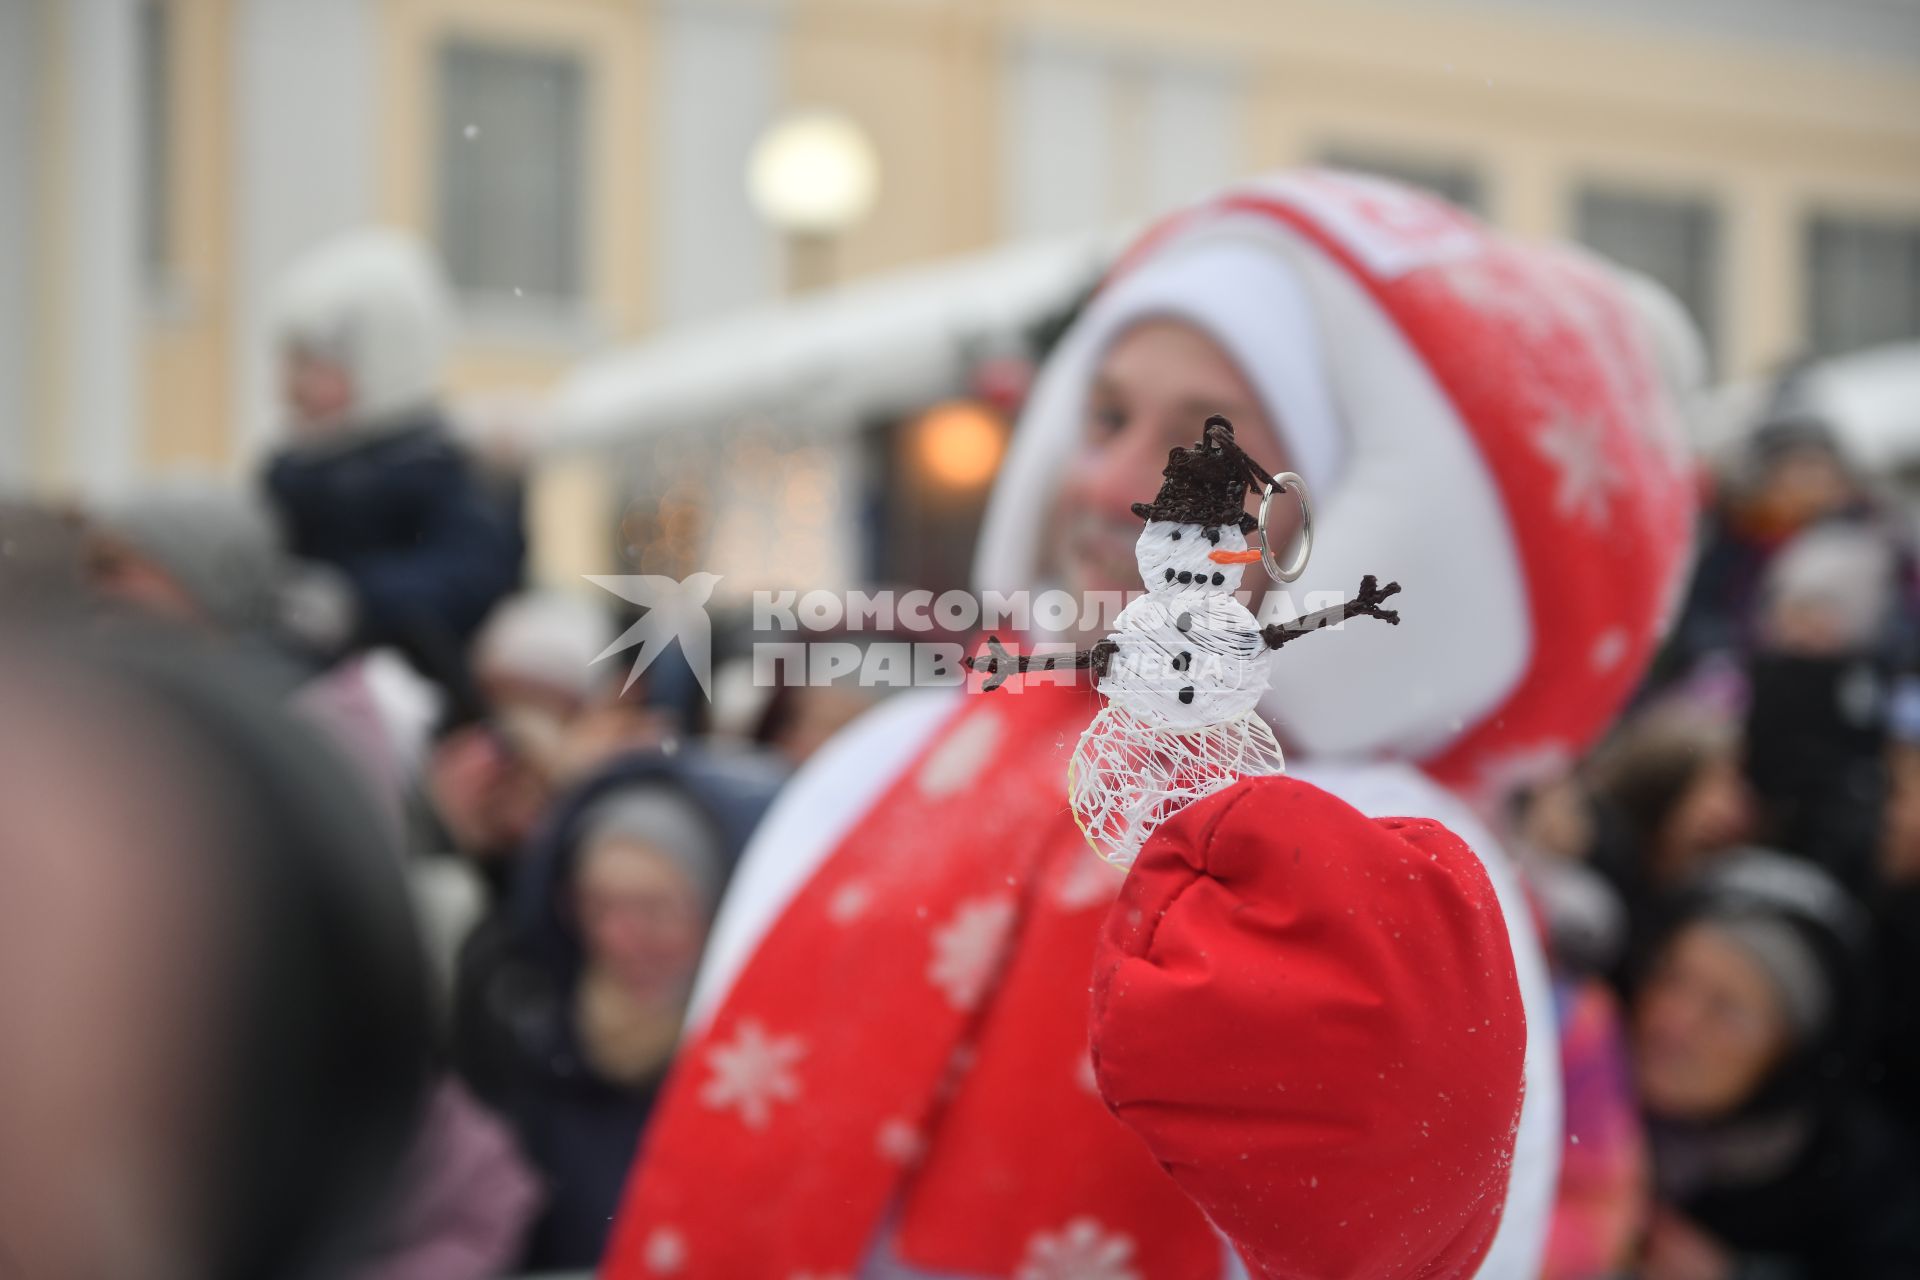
x,y
1863,283
512,171
1675,240
1457,183
156,143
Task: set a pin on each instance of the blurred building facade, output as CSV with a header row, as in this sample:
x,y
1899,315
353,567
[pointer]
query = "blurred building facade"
x,y
580,163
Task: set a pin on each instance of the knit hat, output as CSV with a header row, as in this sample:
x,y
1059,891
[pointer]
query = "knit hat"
x,y
1844,571
1491,422
1809,937
1790,964
374,302
550,638
667,822
217,542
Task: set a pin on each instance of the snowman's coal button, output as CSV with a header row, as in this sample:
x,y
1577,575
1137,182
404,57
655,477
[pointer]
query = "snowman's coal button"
x,y
1219,579
1169,575
1184,622
1184,661
1185,576
1186,694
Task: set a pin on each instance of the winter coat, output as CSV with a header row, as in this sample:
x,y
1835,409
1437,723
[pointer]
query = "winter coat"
x,y
514,1037
1815,736
1848,1204
427,548
1807,1177
1896,1053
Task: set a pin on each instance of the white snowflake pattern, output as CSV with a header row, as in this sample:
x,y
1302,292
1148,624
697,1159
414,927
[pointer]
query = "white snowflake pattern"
x,y
1088,882
958,760
1577,448
1081,1250
752,1072
665,1251
966,950
899,1141
849,902
1487,284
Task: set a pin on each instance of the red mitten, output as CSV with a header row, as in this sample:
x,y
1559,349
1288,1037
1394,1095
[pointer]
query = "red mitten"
x,y
1312,1019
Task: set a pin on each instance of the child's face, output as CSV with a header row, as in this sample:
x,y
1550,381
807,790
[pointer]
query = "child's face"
x,y
640,917
1708,1027
319,391
1153,392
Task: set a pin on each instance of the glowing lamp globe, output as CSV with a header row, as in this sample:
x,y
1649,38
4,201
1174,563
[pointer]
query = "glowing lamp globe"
x,y
815,173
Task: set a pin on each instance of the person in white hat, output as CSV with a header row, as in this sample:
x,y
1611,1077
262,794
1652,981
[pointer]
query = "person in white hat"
x,y
1319,1040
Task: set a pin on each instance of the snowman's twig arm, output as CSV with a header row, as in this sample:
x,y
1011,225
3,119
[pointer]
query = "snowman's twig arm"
x,y
1366,604
999,664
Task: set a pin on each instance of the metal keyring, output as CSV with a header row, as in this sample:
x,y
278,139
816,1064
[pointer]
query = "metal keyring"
x,y
1304,548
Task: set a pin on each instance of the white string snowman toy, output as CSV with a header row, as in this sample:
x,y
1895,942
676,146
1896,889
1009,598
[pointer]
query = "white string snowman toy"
x,y
1187,663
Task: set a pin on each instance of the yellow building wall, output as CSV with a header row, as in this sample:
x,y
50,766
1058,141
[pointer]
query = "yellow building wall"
x,y
610,38
1535,105
188,334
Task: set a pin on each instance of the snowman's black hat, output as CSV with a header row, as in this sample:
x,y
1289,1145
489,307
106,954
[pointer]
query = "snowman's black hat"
x,y
1207,483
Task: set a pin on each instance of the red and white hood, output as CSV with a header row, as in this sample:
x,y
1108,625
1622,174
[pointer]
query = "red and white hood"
x,y
1494,424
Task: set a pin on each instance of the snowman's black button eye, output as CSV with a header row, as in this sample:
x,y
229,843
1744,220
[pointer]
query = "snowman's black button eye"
x,y
1219,579
1169,575
1213,536
1185,576
1175,535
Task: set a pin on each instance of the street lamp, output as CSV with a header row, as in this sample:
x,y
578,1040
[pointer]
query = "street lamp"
x,y
814,176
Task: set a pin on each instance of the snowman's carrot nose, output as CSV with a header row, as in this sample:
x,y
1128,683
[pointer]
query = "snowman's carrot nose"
x,y
1249,556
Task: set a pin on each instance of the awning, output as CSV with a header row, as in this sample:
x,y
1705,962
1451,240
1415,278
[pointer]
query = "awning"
x,y
829,361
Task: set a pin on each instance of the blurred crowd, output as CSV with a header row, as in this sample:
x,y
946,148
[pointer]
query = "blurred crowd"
x,y
326,697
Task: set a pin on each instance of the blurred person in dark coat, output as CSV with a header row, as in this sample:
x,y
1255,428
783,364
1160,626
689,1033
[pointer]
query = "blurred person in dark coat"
x,y
1792,476
1769,1159
547,714
1669,799
210,990
370,481
567,1018
1896,913
1819,677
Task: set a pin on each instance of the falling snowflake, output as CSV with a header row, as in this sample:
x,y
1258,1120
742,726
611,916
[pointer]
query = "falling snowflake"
x,y
1609,649
1081,1250
849,902
1577,448
751,1073
900,1142
665,1251
966,949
